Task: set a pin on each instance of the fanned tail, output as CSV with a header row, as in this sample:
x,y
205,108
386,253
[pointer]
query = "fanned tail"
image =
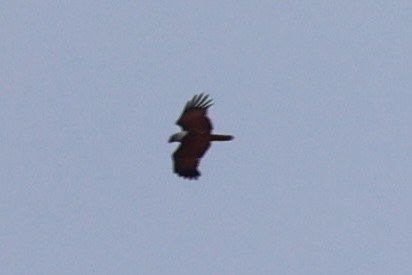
x,y
220,137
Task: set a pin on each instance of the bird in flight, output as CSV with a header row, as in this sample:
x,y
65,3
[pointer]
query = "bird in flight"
x,y
195,138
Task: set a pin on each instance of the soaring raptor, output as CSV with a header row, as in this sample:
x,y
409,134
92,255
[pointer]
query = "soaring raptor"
x,y
195,138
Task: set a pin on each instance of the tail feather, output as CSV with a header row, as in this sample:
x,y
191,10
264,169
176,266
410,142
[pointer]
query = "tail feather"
x,y
221,137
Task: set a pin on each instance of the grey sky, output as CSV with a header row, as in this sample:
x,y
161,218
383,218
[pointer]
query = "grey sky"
x,y
317,181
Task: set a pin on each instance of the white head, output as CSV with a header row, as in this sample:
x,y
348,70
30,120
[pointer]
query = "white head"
x,y
178,136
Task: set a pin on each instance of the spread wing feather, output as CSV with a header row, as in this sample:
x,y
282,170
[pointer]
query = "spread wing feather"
x,y
188,154
193,118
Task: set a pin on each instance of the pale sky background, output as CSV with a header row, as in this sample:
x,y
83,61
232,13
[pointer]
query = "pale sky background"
x,y
317,93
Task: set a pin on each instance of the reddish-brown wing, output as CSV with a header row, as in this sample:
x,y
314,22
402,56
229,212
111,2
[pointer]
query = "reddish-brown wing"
x,y
187,156
194,116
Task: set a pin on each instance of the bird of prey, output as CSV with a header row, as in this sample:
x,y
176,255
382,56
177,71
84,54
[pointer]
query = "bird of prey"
x,y
195,138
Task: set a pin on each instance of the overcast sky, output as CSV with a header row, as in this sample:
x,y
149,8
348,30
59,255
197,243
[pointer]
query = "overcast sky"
x,y
318,95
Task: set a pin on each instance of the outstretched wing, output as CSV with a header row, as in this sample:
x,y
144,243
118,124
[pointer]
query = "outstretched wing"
x,y
193,118
187,156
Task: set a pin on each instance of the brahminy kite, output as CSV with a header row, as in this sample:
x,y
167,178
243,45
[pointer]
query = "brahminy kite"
x,y
195,138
